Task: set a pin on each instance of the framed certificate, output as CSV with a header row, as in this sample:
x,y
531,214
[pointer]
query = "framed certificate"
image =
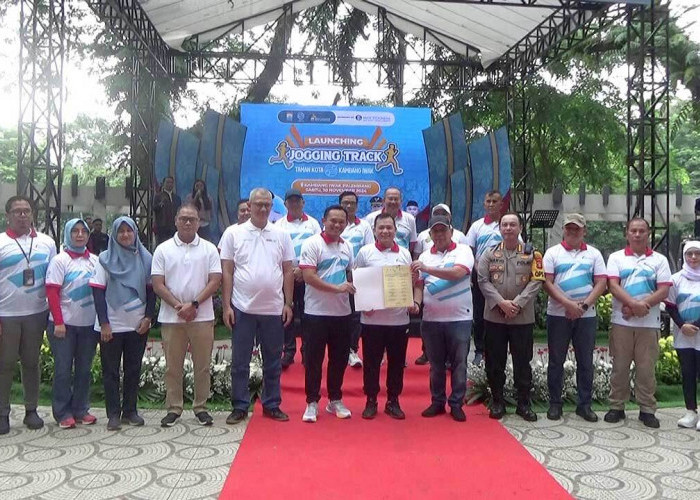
x,y
382,287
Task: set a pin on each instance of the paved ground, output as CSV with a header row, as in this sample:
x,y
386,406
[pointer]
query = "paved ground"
x,y
596,461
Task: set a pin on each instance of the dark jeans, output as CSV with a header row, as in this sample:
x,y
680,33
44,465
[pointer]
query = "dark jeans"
x,y
269,332
290,339
73,355
375,340
447,342
322,331
355,327
129,347
21,340
690,372
478,302
499,337
581,333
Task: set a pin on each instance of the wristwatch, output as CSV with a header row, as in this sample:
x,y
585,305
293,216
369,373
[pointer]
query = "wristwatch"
x,y
584,306
195,303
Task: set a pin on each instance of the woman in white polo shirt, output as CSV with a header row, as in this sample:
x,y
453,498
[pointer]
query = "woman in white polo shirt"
x,y
71,336
125,303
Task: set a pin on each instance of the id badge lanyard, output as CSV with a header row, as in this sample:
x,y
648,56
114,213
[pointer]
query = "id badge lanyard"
x,y
27,274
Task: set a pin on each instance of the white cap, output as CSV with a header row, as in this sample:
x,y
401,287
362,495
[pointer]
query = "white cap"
x,y
441,206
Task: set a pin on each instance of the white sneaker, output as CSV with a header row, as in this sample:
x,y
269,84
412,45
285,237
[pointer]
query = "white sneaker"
x,y
354,360
337,407
311,413
689,420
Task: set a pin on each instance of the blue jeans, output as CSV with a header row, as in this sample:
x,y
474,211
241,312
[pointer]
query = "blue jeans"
x,y
72,355
270,334
581,333
447,342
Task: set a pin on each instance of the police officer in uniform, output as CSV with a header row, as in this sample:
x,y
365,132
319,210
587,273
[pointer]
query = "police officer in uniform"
x,y
510,275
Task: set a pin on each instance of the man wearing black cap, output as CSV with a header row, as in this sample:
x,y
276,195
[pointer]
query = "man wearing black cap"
x,y
444,288
299,226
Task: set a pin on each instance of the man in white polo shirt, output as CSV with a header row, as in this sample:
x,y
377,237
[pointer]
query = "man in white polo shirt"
x,y
358,233
325,260
444,287
256,258
425,242
186,272
575,277
639,279
482,235
406,235
24,258
384,330
299,226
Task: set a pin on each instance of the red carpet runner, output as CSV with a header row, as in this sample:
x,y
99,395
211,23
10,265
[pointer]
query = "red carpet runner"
x,y
382,458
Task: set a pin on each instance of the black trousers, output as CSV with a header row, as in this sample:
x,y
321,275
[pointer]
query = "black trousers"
x,y
690,372
478,302
290,339
375,340
321,332
499,337
355,326
129,347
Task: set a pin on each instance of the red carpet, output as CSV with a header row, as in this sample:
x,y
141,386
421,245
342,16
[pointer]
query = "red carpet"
x,y
382,458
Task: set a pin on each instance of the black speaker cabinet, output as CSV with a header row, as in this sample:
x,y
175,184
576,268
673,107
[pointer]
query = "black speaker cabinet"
x,y
100,188
74,185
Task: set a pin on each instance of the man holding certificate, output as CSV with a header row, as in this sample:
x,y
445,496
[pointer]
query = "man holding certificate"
x,y
384,329
444,286
324,261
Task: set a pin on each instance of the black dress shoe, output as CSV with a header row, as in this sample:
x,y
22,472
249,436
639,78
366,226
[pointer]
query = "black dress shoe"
x,y
614,416
649,420
114,423
586,413
458,414
434,410
554,412
32,420
4,425
393,409
422,359
236,416
370,410
526,413
497,410
287,359
275,414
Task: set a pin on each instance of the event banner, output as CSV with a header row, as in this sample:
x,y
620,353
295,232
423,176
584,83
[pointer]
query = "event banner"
x,y
323,151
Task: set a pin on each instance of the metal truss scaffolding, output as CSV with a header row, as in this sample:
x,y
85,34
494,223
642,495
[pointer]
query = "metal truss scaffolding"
x,y
648,181
40,127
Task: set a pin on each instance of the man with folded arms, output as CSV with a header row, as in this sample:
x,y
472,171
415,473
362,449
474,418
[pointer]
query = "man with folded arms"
x,y
574,279
325,260
639,279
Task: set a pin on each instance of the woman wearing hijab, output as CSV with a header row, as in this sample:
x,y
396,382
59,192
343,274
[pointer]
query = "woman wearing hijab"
x,y
125,303
70,328
200,199
683,305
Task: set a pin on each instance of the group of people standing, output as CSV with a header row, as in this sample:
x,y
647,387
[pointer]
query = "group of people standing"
x,y
485,281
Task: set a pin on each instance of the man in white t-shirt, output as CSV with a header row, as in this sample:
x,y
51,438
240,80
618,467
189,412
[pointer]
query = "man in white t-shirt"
x,y
425,242
24,258
575,277
358,233
384,330
325,260
258,283
406,235
482,235
444,289
186,272
639,279
299,226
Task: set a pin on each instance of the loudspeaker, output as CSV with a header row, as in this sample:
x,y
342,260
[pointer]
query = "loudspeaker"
x,y
697,206
100,188
582,193
679,195
128,187
606,195
557,195
696,233
74,185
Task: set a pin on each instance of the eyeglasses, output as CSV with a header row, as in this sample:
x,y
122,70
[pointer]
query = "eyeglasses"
x,y
188,220
351,203
21,211
261,204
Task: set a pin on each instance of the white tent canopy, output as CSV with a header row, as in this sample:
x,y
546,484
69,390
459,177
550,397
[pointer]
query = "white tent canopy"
x,y
465,28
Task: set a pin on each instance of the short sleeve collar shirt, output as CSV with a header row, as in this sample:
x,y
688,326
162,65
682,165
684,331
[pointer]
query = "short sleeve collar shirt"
x,y
331,260
125,318
372,256
426,243
186,268
299,230
685,295
73,276
257,256
640,276
405,227
574,270
17,300
482,235
447,300
358,233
